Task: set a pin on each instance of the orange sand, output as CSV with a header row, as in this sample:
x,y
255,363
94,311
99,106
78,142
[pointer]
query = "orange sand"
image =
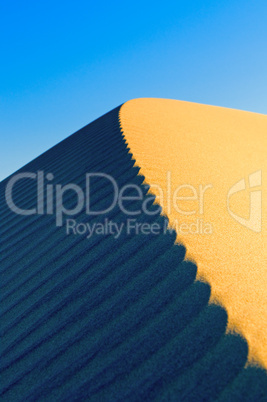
x,y
186,143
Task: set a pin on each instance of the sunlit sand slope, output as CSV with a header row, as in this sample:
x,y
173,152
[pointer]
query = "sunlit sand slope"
x,y
221,156
98,317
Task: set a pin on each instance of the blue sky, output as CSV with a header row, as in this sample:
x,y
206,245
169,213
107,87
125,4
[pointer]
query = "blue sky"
x,y
65,63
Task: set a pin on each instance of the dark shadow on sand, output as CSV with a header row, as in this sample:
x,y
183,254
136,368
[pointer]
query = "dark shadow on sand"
x,y
104,318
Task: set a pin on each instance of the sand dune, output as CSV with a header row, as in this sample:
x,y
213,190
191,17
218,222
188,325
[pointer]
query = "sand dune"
x,y
105,318
183,143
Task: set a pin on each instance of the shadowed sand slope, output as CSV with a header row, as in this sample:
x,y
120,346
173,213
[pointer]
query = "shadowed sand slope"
x,y
217,152
105,318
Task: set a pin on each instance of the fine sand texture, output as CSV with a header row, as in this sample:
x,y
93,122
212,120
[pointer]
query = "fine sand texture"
x,y
221,156
105,318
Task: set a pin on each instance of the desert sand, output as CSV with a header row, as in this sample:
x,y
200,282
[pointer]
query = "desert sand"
x,y
219,157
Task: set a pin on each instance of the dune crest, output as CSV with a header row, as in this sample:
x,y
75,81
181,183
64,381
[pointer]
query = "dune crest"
x,y
207,165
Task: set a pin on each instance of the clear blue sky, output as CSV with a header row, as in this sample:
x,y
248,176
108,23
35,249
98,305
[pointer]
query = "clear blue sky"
x,y
65,63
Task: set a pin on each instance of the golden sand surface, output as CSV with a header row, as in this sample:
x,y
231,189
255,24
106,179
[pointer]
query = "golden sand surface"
x,y
208,167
